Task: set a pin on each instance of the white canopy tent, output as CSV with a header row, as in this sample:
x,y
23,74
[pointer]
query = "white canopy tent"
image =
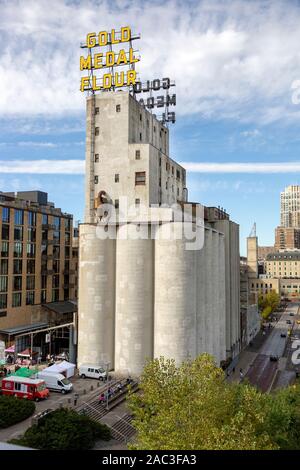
x,y
64,367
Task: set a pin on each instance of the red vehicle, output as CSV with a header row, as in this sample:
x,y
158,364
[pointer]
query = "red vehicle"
x,y
23,387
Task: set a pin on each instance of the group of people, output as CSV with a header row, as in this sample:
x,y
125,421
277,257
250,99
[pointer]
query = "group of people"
x,y
112,391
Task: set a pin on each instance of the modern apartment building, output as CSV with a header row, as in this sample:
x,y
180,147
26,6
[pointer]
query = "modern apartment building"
x,y
287,238
36,266
290,207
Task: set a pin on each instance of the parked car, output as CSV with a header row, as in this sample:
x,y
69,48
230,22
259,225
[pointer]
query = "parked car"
x,y
289,322
56,382
92,371
283,335
274,358
292,314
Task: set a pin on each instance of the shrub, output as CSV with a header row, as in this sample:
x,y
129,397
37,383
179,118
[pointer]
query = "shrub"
x,y
13,410
64,429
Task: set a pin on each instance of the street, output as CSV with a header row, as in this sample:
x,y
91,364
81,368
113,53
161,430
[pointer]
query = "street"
x,y
266,374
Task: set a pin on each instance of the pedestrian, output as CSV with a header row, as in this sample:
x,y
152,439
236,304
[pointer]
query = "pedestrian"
x,y
233,370
241,374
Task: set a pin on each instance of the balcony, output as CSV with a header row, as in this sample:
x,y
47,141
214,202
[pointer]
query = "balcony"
x,y
48,227
69,286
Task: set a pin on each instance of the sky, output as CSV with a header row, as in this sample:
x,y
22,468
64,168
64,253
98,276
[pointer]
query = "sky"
x,y
237,71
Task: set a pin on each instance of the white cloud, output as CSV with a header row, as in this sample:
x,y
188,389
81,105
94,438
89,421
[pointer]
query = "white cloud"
x,y
37,144
256,167
62,167
68,167
234,60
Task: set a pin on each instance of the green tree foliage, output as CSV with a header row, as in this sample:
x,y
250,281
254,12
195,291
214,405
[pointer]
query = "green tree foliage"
x,y
13,410
270,301
194,407
266,312
64,429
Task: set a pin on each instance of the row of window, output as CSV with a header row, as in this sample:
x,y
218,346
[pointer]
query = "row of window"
x,y
31,218
30,282
140,178
30,299
30,250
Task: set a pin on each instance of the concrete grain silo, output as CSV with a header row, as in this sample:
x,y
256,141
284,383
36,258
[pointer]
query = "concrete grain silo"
x,y
175,296
134,302
96,297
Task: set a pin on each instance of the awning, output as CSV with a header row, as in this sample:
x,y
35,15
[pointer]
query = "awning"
x,y
17,330
11,349
63,307
24,372
27,353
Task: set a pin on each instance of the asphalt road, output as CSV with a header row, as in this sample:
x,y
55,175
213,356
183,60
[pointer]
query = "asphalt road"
x,y
263,371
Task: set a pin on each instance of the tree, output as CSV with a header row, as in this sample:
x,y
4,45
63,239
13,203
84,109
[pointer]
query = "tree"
x,y
266,312
193,407
13,410
64,429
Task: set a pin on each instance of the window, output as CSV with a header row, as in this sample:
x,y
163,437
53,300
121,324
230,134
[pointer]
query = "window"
x,y
3,301
5,232
96,157
3,283
56,223
17,283
140,136
97,110
30,266
18,250
30,250
56,236
96,179
4,266
44,282
56,266
5,214
67,238
140,117
55,281
67,252
4,249
97,131
44,219
3,314
19,217
32,218
117,178
118,108
140,178
31,235
137,154
17,299
43,296
30,298
117,203
178,174
17,266
30,282
55,295
18,233
137,202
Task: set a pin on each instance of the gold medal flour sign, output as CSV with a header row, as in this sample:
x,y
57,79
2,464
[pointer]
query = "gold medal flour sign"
x,y
108,58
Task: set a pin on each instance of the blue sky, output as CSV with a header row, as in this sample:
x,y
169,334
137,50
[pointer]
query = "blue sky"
x,y
237,71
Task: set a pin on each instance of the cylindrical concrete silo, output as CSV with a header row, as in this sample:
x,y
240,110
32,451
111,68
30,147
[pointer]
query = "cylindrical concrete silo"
x,y
175,295
209,292
201,287
134,301
96,305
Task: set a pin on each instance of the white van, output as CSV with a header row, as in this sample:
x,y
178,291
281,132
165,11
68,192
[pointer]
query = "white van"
x,y
57,382
92,371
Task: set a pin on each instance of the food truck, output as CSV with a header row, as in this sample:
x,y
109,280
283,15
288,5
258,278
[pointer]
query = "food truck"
x,y
25,387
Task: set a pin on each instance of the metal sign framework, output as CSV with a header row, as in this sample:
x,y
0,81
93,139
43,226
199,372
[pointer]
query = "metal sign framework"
x,y
135,87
